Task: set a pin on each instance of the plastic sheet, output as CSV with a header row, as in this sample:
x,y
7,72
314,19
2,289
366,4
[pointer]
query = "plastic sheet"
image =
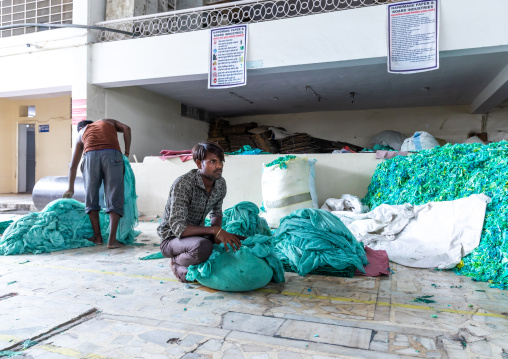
x,y
313,239
63,224
448,173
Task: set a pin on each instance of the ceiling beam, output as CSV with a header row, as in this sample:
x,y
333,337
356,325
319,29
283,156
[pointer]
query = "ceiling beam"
x,y
493,94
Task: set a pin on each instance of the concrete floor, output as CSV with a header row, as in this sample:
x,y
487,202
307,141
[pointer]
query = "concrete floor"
x,y
99,303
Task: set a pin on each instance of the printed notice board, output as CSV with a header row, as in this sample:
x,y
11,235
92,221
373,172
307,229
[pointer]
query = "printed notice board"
x,y
228,54
413,38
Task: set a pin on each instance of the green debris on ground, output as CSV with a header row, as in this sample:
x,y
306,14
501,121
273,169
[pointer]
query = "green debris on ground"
x,y
424,299
9,353
157,255
29,343
448,173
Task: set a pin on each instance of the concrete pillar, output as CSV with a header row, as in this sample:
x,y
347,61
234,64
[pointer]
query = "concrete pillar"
x,y
121,9
88,101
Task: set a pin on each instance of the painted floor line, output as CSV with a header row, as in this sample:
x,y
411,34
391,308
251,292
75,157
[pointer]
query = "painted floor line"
x,y
300,295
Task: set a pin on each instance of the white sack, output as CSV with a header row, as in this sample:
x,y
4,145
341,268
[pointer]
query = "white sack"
x,y
288,189
346,202
433,235
394,139
421,140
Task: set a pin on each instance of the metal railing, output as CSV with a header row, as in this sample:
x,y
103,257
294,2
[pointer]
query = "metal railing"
x,y
14,12
240,12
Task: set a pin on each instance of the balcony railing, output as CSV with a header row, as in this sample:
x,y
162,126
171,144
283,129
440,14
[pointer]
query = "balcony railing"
x,y
14,12
240,12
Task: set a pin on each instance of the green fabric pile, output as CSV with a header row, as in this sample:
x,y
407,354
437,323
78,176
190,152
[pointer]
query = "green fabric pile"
x,y
317,242
4,225
448,173
248,150
253,266
250,267
63,224
243,219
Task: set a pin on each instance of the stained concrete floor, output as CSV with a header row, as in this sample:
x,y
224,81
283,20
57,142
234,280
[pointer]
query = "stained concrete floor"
x,y
99,303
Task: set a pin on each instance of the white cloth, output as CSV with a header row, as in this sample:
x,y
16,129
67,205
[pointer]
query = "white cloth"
x,y
433,235
346,203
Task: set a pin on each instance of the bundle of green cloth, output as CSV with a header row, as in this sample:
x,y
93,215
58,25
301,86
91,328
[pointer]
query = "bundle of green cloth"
x,y
448,173
314,241
63,224
252,266
307,241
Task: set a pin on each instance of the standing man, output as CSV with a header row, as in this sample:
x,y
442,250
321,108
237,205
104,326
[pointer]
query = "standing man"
x,y
102,162
193,196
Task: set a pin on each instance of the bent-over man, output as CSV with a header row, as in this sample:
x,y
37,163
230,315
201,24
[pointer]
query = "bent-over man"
x,y
192,197
102,162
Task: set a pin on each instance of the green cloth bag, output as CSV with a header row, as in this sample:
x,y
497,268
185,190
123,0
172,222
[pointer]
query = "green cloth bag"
x,y
251,267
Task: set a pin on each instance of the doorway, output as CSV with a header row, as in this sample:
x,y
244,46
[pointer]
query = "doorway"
x,y
26,158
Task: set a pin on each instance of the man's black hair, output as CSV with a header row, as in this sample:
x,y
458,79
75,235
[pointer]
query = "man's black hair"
x,y
199,151
82,124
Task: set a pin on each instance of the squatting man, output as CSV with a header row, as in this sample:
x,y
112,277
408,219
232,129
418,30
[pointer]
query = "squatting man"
x,y
102,162
193,196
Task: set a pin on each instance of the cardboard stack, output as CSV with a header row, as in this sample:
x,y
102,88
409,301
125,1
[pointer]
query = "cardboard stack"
x,y
239,136
216,133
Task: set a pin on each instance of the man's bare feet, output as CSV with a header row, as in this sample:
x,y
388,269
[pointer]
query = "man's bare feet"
x,y
96,239
113,243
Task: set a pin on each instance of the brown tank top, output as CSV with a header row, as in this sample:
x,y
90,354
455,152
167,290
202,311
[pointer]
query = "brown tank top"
x,y
100,135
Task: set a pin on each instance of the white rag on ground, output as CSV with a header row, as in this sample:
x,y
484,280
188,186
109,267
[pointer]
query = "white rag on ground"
x,y
433,235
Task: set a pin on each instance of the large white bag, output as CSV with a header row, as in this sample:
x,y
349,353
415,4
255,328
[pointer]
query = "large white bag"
x,y
421,140
288,189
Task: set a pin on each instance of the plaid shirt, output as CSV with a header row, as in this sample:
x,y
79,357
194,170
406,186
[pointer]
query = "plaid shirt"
x,y
189,203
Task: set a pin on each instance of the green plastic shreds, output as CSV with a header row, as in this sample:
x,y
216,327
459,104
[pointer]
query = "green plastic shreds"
x,y
424,299
63,224
4,225
243,219
281,161
157,255
311,239
448,173
250,267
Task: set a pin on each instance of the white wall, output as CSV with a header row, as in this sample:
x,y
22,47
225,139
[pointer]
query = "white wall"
x,y
313,41
336,174
155,121
452,123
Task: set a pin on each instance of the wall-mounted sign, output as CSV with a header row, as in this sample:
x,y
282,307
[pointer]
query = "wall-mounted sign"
x,y
78,111
228,54
43,128
413,36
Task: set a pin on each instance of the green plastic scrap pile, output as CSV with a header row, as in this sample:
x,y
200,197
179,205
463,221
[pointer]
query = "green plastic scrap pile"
x,y
63,224
251,267
448,173
315,241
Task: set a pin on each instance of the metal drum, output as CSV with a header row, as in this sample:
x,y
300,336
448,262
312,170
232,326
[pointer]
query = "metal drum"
x,y
49,188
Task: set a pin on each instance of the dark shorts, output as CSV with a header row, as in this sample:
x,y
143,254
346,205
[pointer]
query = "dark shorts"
x,y
103,166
